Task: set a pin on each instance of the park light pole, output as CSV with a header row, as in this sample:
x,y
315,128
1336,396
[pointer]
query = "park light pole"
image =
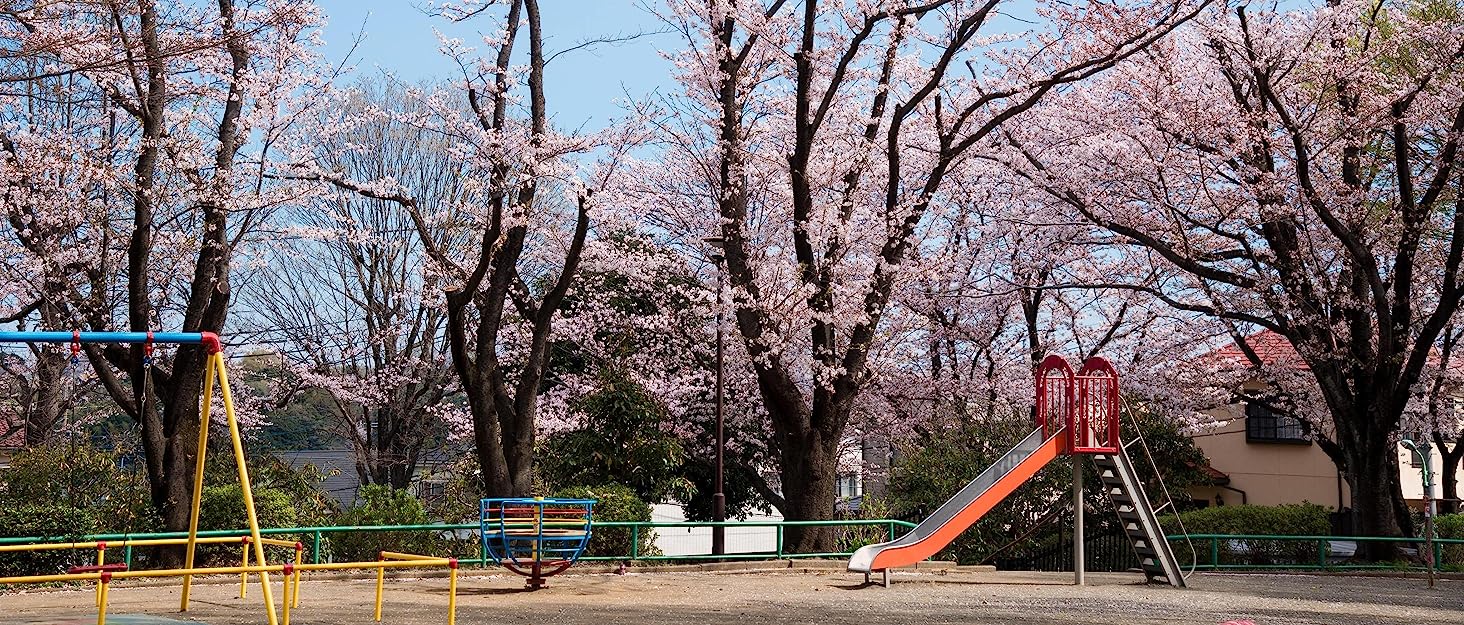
x,y
719,498
1425,452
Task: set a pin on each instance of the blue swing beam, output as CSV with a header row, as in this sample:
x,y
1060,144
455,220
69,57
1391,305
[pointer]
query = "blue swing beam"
x,y
207,339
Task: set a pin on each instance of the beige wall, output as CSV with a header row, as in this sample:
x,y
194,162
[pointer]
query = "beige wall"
x,y
1412,478
1269,473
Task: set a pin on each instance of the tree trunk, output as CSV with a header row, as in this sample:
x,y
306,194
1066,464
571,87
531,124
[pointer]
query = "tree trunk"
x,y
47,400
1449,472
1378,508
810,472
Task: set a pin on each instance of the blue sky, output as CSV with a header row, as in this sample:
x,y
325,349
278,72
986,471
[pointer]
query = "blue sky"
x,y
582,86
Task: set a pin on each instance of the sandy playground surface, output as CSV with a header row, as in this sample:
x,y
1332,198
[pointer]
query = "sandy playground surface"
x,y
782,596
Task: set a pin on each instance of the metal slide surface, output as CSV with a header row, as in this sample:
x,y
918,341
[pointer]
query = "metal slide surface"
x,y
965,508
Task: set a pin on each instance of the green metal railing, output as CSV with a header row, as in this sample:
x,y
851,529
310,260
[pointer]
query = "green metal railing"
x,y
1242,546
317,535
1218,547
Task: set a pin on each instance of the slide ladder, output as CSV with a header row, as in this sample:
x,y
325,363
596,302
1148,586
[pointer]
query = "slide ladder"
x,y
1140,522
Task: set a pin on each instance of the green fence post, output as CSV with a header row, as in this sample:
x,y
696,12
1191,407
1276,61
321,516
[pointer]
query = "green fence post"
x,y
892,531
315,553
779,538
127,556
1321,553
634,542
1214,553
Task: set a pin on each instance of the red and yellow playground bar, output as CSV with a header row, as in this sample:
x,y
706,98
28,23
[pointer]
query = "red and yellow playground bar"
x,y
104,574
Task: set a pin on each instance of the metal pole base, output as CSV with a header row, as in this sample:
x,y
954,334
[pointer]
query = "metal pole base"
x,y
886,578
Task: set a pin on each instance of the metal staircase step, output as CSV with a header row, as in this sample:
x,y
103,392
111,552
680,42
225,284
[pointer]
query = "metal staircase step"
x,y
1140,521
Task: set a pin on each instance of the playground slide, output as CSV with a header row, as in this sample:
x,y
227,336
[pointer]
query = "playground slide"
x,y
968,506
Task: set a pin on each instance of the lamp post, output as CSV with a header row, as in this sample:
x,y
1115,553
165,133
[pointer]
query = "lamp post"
x,y
1425,452
719,498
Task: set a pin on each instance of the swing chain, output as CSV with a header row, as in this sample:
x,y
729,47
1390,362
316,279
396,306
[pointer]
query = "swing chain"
x,y
147,350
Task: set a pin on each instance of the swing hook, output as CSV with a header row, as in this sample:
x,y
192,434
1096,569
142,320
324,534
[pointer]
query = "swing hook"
x,y
75,347
147,350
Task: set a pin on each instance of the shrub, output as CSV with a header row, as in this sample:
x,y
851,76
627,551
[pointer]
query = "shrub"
x,y
222,508
381,505
1451,526
56,522
614,502
73,477
1304,519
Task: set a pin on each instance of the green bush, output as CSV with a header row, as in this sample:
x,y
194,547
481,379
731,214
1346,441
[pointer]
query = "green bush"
x,y
74,477
222,508
1451,526
615,502
57,522
266,471
1304,519
381,505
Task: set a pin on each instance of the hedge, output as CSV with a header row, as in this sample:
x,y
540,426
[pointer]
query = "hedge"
x,y
614,502
1304,519
57,522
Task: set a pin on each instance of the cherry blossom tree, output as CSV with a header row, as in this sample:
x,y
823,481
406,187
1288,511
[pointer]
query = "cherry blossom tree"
x,y
823,136
128,200
525,206
349,300
1295,171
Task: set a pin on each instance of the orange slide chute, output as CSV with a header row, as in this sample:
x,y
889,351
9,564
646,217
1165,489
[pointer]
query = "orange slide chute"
x,y
964,509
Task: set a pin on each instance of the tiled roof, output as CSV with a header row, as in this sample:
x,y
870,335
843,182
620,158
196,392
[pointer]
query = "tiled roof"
x,y
1270,347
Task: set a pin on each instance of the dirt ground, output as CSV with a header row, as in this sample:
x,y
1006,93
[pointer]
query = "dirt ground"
x,y
784,596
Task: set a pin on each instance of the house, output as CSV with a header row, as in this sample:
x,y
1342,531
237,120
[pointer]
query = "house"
x,y
341,483
1264,457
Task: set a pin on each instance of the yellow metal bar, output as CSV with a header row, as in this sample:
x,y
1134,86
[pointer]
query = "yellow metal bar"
x,y
220,570
46,546
451,597
137,542
101,560
46,579
244,577
394,555
229,570
380,581
285,619
218,360
294,596
205,401
102,608
387,564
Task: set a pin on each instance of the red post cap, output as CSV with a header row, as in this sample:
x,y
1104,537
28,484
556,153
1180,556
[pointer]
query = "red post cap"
x,y
452,563
211,343
106,577
101,545
289,569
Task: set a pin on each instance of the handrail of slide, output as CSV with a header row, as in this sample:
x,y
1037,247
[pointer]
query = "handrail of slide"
x,y
965,507
1168,498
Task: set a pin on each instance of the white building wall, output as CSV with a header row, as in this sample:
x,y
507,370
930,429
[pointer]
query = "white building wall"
x,y
682,541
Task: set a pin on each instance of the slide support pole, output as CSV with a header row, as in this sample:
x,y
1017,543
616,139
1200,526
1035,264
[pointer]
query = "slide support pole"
x,y
1078,564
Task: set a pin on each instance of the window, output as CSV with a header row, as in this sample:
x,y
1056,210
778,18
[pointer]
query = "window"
x,y
849,486
1268,426
1415,459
